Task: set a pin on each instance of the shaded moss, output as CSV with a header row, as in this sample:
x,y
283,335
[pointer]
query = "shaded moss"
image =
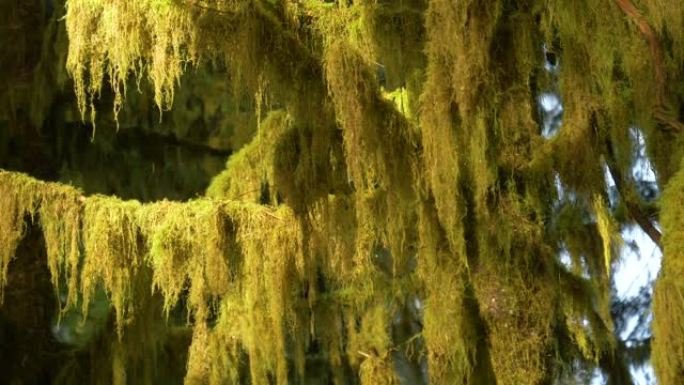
x,y
668,304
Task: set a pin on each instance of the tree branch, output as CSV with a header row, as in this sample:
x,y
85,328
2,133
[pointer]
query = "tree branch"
x,y
625,188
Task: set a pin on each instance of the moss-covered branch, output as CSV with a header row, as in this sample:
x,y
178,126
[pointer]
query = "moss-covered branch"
x,y
631,199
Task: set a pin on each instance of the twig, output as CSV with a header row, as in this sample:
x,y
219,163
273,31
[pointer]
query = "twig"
x,y
634,208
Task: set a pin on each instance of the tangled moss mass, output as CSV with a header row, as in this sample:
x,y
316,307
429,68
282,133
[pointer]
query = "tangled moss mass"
x,y
394,210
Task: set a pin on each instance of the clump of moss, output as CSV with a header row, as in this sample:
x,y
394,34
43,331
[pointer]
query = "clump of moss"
x,y
59,209
370,346
381,152
113,253
450,350
119,40
216,250
518,315
274,272
61,212
249,174
21,200
187,244
668,303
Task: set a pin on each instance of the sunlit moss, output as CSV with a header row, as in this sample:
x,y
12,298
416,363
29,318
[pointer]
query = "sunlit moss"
x,y
214,249
183,239
451,200
112,250
119,39
60,218
58,207
249,174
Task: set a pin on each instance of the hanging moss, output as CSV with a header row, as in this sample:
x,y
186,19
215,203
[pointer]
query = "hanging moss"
x,y
112,39
20,201
212,248
372,343
451,199
451,350
59,210
380,148
249,174
60,218
113,257
519,338
668,307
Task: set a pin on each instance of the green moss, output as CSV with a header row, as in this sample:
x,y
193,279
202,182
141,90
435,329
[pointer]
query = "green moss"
x,y
369,346
59,209
119,40
249,173
668,303
214,249
519,339
451,350
448,197
60,218
113,255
